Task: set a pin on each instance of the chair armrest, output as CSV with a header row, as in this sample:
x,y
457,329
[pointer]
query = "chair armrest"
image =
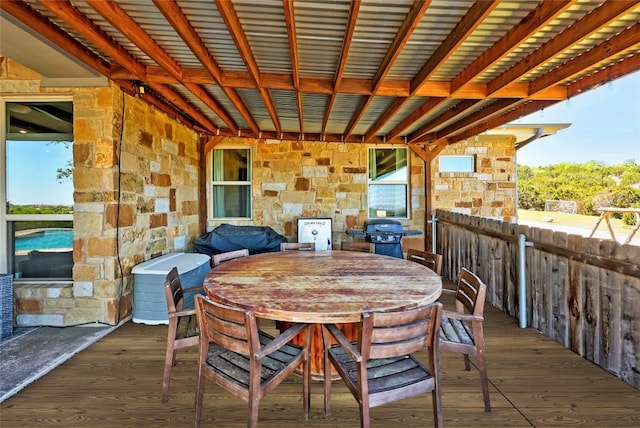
x,y
283,339
197,289
342,341
185,312
460,316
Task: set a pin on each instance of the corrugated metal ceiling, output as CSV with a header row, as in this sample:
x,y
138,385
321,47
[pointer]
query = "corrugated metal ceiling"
x,y
385,78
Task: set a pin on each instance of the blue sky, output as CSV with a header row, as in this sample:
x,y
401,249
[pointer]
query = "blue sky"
x,y
31,173
605,126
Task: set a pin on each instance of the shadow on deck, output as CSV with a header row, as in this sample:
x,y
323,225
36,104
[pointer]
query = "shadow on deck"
x,y
533,382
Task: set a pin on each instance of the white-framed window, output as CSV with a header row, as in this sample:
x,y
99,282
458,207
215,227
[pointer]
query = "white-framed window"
x,y
36,188
388,192
456,163
231,182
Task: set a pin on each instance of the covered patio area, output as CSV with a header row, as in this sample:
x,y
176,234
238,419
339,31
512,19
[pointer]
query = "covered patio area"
x,y
534,381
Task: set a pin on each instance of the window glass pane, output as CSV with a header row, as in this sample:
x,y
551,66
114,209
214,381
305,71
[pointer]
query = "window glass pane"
x,y
387,165
42,249
456,163
231,165
38,175
387,200
50,191
231,201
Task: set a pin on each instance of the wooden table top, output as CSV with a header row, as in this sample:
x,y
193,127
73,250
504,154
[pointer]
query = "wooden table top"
x,y
321,286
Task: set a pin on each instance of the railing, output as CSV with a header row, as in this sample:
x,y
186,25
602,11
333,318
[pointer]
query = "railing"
x,y
582,292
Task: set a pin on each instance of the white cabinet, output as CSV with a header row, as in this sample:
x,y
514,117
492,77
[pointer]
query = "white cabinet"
x,y
316,230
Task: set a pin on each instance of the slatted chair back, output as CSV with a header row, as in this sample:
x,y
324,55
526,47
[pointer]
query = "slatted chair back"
x,y
216,259
304,246
245,361
183,331
380,367
462,330
431,260
363,247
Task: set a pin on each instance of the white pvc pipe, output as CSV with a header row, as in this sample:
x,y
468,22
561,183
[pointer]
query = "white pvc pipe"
x,y
434,229
522,279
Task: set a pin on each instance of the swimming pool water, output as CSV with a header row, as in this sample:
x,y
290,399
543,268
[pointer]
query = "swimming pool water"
x,y
45,239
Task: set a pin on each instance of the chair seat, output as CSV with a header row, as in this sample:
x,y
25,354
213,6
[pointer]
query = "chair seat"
x,y
456,331
236,367
387,374
187,327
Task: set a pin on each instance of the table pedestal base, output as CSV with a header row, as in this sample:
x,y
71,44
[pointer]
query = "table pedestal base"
x,y
317,348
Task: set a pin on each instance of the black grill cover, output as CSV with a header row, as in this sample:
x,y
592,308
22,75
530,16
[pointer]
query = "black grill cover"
x,y
226,237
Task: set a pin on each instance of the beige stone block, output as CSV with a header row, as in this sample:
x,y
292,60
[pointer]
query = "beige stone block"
x,y
298,197
59,303
83,315
85,272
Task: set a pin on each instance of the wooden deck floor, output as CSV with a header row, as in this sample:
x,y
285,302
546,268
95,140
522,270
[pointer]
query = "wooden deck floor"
x,y
533,382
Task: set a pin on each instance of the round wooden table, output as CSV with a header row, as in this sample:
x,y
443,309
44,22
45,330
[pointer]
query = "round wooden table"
x,y
321,287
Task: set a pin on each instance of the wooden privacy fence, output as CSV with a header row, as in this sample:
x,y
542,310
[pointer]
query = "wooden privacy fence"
x,y
582,292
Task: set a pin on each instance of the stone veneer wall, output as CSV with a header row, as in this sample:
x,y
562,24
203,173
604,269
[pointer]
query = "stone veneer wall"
x,y
490,191
294,179
157,207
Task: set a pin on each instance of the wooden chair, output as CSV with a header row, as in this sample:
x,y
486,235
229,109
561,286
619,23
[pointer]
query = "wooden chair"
x,y
431,260
216,259
363,247
245,361
183,330
305,246
461,330
379,368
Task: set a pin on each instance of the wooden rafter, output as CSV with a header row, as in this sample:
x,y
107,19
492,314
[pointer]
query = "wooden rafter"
x,y
174,15
411,21
231,20
497,108
515,74
626,40
619,69
537,19
128,27
289,18
346,44
525,109
34,20
585,27
469,22
459,110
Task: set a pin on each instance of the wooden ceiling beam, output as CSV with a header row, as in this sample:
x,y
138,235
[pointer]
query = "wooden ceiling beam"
x,y
460,109
603,76
174,15
84,26
580,30
538,18
625,41
344,53
465,27
474,17
527,108
416,115
408,26
290,22
232,22
176,99
324,86
497,108
133,32
39,23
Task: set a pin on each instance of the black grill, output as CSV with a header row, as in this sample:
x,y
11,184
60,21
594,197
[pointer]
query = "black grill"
x,y
386,234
